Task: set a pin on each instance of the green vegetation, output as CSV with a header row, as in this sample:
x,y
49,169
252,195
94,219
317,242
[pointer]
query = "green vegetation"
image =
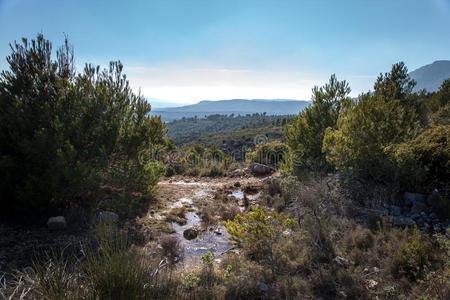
x,y
387,137
318,230
188,130
306,131
272,154
63,134
196,160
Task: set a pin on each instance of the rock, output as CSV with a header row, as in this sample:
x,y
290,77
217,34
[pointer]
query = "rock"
x,y
56,223
238,172
376,270
339,260
435,201
371,283
404,221
411,198
418,207
28,270
437,228
107,216
263,287
260,170
415,217
396,210
190,234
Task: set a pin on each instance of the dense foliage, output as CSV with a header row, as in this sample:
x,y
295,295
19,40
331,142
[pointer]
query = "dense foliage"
x,y
306,131
188,130
63,134
394,136
272,154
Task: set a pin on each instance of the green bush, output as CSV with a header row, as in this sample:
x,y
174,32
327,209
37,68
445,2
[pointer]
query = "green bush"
x,y
272,154
306,131
412,256
423,163
63,134
260,234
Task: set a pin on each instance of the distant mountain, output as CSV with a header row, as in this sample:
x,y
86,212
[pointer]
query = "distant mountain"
x,y
430,77
235,106
159,103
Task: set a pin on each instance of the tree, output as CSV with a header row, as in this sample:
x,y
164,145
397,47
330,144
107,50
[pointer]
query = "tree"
x,y
306,131
64,134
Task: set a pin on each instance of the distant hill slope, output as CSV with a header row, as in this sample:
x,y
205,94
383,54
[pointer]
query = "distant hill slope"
x,y
430,77
235,106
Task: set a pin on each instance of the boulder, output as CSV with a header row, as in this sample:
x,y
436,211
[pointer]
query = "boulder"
x,y
418,207
435,200
404,221
107,216
340,260
260,170
411,198
190,234
396,210
263,287
56,223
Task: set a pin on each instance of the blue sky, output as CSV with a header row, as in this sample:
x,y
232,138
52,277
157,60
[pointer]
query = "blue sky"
x,y
188,50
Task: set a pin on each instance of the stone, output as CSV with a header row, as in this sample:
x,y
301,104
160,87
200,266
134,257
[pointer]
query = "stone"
x,y
415,217
107,216
418,207
376,270
339,260
260,169
190,234
404,221
28,270
411,198
371,283
263,287
396,210
56,223
435,201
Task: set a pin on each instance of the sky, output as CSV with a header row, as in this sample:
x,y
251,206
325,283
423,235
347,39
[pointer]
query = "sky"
x,y
184,51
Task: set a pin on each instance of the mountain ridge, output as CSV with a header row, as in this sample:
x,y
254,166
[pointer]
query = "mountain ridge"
x,y
431,76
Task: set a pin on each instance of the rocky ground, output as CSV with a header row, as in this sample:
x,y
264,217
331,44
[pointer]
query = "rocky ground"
x,y
19,243
192,209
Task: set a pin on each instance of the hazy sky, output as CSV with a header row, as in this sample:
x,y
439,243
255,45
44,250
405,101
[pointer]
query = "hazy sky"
x,y
188,50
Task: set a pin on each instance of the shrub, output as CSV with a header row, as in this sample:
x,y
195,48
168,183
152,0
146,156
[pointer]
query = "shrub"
x,y
172,249
412,256
63,134
259,234
423,163
272,153
306,131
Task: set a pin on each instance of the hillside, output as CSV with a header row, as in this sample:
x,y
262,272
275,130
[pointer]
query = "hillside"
x,y
430,77
234,106
188,130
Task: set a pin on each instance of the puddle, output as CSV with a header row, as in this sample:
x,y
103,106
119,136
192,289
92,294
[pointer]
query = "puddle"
x,y
206,241
189,183
181,202
240,195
